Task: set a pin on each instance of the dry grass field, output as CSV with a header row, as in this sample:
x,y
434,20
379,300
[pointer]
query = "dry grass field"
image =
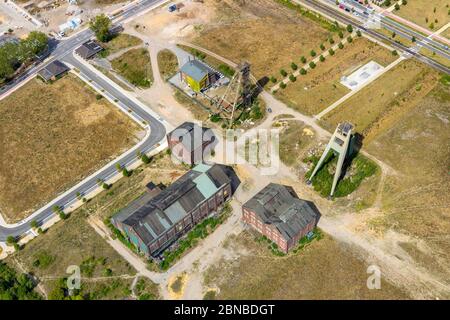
x,y
265,33
168,63
122,41
320,87
52,136
105,274
383,102
325,269
415,199
426,13
135,66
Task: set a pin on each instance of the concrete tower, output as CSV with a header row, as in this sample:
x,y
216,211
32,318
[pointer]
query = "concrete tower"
x,y
340,143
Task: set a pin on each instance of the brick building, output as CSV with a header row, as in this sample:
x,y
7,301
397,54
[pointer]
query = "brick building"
x,y
158,218
278,213
189,142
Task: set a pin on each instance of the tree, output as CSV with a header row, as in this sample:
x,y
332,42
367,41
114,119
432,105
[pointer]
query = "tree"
x,y
283,72
303,71
340,45
341,34
349,39
387,3
145,159
273,79
413,39
394,52
331,40
34,224
404,2
10,240
292,78
283,85
35,43
312,65
331,52
294,66
349,28
312,53
15,286
119,167
358,33
100,26
303,59
322,47
393,34
322,58
397,7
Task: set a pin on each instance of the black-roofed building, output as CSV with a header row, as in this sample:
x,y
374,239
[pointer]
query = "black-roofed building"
x,y
279,214
189,142
158,218
53,70
88,49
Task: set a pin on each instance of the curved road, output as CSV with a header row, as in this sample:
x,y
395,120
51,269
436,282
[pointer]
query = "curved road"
x,y
156,130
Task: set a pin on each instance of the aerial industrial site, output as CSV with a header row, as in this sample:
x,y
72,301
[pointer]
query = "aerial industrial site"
x,y
224,150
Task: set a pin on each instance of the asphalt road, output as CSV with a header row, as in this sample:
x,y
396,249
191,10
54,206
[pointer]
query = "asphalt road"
x,y
66,46
335,14
403,31
157,129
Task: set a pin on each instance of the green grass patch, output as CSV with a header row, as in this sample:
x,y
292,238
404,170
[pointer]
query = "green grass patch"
x,y
358,169
135,66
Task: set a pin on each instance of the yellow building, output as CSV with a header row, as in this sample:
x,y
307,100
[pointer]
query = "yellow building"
x,y
196,75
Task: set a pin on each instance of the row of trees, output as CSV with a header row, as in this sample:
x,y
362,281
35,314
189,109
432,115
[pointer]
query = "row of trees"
x,y
313,54
14,54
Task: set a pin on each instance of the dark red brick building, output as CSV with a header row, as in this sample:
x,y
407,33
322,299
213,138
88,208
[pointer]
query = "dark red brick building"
x,y
278,213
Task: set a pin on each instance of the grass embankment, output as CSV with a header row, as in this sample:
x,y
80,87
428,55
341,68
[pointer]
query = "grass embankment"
x,y
120,42
135,66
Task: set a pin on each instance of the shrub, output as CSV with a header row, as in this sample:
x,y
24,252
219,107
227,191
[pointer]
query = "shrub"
x,y
303,71
341,34
303,59
358,33
394,52
331,52
312,65
331,41
273,79
322,47
312,53
294,66
292,78
283,85
341,46
283,72
397,7
349,39
322,58
349,28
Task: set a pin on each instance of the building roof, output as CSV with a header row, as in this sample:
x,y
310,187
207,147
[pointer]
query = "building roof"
x,y
195,69
191,135
280,206
89,49
152,215
53,69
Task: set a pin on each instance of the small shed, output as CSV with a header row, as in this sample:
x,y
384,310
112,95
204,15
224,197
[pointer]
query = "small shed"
x,y
53,70
89,49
